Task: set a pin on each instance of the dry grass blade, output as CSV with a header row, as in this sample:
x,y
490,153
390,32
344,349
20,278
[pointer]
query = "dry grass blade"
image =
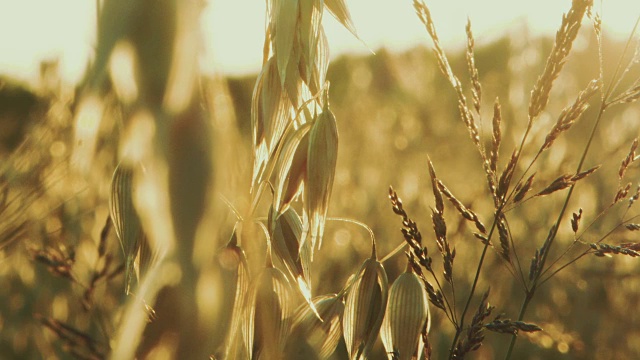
x,y
555,62
267,315
406,315
321,167
364,309
570,114
312,338
125,219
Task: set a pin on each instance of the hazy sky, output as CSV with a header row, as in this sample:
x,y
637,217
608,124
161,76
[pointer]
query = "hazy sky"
x,y
31,30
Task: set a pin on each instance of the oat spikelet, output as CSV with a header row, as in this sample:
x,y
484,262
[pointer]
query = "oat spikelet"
x,y
570,114
364,309
555,62
565,181
125,219
311,337
268,311
321,168
406,315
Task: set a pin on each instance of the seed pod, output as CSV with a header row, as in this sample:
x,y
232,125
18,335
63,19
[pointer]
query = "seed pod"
x,y
405,317
321,168
312,338
125,219
364,309
267,316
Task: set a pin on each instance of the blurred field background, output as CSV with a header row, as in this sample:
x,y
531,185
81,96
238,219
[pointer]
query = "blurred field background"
x,y
393,110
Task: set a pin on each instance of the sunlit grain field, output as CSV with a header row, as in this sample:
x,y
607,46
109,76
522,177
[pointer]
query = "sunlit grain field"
x,y
476,202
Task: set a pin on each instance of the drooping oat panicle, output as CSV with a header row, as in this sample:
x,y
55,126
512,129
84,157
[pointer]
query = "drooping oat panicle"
x,y
571,114
631,156
364,309
575,221
405,317
475,332
125,219
522,189
321,167
476,89
555,62
312,338
267,316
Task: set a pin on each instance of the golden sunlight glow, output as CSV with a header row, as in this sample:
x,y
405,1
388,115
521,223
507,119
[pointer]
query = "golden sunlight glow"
x,y
86,131
122,67
34,30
